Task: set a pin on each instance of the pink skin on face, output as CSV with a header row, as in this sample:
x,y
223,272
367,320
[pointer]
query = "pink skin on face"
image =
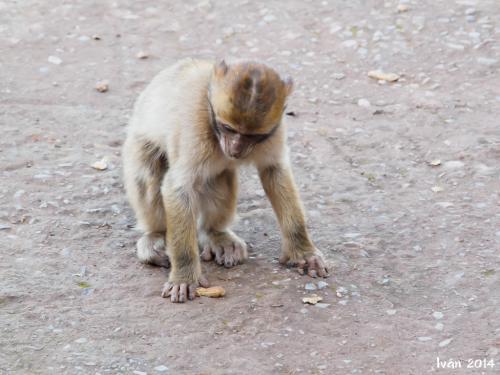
x,y
233,146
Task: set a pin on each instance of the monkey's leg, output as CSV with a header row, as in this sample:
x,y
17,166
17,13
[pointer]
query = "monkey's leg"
x,y
144,167
185,274
218,206
298,249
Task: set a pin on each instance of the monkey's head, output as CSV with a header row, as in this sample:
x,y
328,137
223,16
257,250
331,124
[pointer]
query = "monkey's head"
x,y
246,101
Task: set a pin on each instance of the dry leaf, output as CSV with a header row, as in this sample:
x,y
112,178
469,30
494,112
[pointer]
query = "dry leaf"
x,y
403,8
213,292
102,86
100,165
312,299
435,162
381,76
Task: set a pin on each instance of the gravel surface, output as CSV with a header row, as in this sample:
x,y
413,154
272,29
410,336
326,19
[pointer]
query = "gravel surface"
x,y
400,179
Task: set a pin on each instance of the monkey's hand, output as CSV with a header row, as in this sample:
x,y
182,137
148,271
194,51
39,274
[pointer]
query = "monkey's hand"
x,y
226,247
311,263
179,291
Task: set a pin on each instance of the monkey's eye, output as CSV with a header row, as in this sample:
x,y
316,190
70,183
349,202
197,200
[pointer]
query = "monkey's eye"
x,y
257,138
227,128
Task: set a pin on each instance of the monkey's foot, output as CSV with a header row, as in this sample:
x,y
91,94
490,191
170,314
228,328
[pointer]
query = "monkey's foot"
x,y
312,264
181,292
151,250
226,247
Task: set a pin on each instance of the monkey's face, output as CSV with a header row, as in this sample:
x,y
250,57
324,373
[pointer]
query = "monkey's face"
x,y
236,145
247,101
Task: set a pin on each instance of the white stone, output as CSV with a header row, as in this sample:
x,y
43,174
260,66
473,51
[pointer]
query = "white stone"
x,y
351,43
322,305
486,61
364,103
310,286
424,338
437,315
322,284
453,164
161,368
54,60
444,343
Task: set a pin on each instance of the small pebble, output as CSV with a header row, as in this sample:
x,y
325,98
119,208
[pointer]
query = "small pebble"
x,y
424,338
310,286
161,368
102,86
322,305
364,103
486,61
437,315
390,312
439,326
444,343
54,60
81,340
403,8
322,285
453,164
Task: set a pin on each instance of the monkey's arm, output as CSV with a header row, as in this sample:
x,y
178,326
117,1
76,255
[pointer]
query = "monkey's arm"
x,y
182,247
298,249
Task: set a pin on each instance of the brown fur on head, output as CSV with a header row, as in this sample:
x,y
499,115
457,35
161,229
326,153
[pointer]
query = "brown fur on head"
x,y
248,100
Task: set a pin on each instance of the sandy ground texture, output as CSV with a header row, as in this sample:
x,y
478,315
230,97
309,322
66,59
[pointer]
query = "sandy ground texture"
x,y
400,180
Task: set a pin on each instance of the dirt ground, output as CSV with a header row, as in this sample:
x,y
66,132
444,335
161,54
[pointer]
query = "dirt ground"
x,y
401,182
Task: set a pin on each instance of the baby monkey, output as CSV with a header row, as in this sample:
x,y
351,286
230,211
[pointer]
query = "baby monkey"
x,y
191,129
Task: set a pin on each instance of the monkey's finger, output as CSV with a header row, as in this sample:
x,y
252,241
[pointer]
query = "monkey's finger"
x,y
284,259
322,271
192,291
229,260
166,290
319,265
206,254
203,281
301,266
183,293
219,255
312,273
174,294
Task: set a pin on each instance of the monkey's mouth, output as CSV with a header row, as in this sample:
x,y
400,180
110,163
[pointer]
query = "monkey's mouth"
x,y
226,150
234,157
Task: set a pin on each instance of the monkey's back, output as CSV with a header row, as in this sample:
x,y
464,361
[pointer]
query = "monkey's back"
x,y
177,95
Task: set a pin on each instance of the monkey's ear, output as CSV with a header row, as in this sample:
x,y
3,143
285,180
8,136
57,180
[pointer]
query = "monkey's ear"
x,y
221,68
288,81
